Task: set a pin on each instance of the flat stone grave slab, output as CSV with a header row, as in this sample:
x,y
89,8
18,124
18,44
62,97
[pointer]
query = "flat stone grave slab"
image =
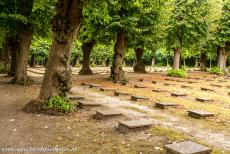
x,y
159,90
209,80
136,98
169,84
118,93
141,80
206,89
139,86
106,89
103,114
187,147
122,82
199,114
185,86
223,81
228,87
204,99
178,94
168,79
134,125
84,104
154,82
94,85
163,105
85,84
192,81
215,85
75,97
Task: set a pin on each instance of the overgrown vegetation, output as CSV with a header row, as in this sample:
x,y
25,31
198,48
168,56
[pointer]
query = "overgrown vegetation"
x,y
217,70
3,69
177,73
58,104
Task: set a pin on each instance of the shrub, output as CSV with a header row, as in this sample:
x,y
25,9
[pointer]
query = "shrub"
x,y
217,70
177,73
3,69
58,104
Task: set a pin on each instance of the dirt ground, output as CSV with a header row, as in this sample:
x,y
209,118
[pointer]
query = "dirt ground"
x,y
80,130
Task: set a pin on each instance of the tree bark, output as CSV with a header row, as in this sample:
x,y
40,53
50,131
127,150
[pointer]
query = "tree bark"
x,y
65,27
176,59
153,61
222,58
117,72
86,48
203,58
139,66
32,62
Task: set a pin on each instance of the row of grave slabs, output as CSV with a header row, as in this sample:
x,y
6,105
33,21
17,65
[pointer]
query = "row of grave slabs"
x,y
142,124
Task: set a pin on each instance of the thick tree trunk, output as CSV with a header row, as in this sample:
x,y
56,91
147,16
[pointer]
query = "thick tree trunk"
x,y
176,59
203,58
24,41
86,48
117,72
222,58
139,66
65,27
13,62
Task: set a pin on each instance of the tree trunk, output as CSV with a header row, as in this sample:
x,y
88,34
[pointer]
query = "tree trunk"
x,y
117,72
86,48
176,60
32,62
24,41
13,62
222,58
7,50
153,61
203,58
65,27
139,66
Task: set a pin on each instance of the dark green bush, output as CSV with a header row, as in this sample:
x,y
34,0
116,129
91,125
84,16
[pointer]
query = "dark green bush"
x,y
58,104
177,73
3,69
217,70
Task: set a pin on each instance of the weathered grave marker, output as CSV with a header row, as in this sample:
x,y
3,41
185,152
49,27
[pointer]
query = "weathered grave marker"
x,y
206,89
85,104
75,97
106,89
199,114
159,90
204,99
136,98
94,85
169,84
215,85
185,86
178,94
118,93
187,147
103,114
163,105
139,86
134,125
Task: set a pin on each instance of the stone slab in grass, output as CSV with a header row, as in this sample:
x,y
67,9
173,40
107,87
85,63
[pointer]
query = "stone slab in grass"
x,y
185,86
216,85
118,93
159,90
139,86
192,81
141,80
168,79
209,80
134,125
187,147
169,84
178,94
163,105
85,84
106,89
204,99
154,82
75,97
206,89
103,114
199,114
83,104
223,81
122,82
136,98
94,85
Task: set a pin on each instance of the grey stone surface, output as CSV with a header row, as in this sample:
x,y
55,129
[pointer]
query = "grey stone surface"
x,y
136,98
187,147
118,93
159,90
102,114
204,99
88,103
199,114
163,105
178,94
